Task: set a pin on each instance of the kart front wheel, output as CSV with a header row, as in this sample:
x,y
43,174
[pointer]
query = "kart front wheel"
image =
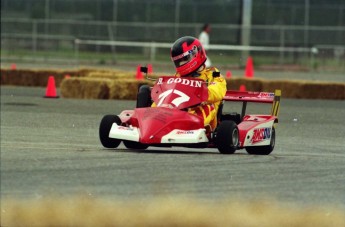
x,y
104,129
227,137
134,145
144,97
263,150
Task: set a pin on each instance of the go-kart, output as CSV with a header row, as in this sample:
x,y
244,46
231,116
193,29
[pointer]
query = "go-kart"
x,y
170,124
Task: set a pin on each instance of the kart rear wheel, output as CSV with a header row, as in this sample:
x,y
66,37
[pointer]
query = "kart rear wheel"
x,y
144,97
227,137
134,145
264,150
104,129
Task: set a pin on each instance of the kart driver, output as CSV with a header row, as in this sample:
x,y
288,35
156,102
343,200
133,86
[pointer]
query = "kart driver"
x,y
189,57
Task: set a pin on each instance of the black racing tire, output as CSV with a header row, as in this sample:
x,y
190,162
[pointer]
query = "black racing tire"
x,y
144,97
134,145
263,150
104,129
227,137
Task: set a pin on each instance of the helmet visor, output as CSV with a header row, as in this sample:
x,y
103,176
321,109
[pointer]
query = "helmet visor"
x,y
185,57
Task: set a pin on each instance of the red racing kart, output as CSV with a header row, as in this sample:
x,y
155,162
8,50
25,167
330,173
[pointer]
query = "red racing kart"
x,y
169,123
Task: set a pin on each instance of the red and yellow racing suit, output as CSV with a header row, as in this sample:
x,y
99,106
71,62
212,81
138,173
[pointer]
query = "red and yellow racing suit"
x,y
216,92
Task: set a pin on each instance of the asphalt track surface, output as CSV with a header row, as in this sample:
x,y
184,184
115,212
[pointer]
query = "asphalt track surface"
x,y
50,147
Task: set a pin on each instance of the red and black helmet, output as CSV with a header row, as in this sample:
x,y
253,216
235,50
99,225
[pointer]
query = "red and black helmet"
x,y
188,55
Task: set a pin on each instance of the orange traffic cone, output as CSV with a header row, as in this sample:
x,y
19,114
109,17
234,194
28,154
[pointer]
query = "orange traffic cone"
x,y
149,68
249,68
51,89
228,74
243,87
13,66
139,75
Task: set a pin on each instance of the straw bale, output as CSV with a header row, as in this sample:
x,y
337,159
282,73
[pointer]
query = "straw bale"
x,y
126,89
290,89
110,75
306,89
32,77
85,88
117,74
322,90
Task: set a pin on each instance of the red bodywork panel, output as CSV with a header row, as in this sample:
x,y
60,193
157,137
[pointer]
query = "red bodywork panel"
x,y
171,95
179,93
251,121
154,123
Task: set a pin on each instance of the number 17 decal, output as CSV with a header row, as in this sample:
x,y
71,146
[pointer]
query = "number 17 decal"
x,y
177,101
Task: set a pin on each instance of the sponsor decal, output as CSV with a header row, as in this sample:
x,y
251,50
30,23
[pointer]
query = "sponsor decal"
x,y
261,134
125,128
184,132
184,54
266,94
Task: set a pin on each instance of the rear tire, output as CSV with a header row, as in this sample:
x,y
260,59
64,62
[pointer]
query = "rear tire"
x,y
144,97
264,150
104,129
134,145
227,137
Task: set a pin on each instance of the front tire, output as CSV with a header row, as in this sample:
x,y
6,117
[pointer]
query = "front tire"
x,y
227,137
104,129
144,97
264,150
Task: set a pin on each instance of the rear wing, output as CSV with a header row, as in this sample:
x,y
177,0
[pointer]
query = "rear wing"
x,y
253,96
249,96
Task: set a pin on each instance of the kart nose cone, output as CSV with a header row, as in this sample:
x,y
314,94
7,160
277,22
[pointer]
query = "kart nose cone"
x,y
156,122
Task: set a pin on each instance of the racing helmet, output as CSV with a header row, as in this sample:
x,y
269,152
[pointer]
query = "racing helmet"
x,y
188,55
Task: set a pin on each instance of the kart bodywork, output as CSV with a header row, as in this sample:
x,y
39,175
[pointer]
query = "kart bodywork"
x,y
170,124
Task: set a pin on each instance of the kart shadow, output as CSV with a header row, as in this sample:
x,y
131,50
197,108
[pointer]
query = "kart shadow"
x,y
160,151
169,151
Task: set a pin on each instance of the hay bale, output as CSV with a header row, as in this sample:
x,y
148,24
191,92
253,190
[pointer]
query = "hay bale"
x,y
322,90
23,77
306,89
290,89
32,77
101,88
117,74
110,75
126,89
85,88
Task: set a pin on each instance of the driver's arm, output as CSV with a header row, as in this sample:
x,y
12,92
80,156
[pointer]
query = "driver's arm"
x,y
216,89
